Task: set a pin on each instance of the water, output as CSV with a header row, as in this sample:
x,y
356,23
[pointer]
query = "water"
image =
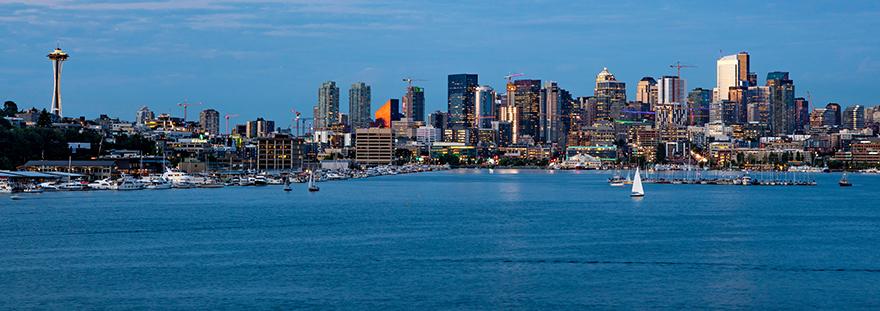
x,y
462,239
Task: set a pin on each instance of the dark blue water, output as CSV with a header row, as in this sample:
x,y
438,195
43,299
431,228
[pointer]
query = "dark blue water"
x,y
447,240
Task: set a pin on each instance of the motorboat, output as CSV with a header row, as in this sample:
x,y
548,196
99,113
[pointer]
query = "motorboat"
x,y
126,183
101,184
844,182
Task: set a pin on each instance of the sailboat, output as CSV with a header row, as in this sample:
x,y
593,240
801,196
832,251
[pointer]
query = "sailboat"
x,y
844,182
637,190
287,183
312,186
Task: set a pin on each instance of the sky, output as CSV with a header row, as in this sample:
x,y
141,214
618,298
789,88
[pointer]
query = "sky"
x,y
264,58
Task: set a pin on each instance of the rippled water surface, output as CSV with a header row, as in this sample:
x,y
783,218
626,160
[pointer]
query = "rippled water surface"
x,y
462,239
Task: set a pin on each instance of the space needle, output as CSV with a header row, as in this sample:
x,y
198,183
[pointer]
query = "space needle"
x,y
57,57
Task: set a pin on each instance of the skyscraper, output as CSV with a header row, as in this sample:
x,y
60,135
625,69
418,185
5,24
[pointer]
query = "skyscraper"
x,y
527,100
609,94
782,110
646,91
854,117
671,89
414,103
388,113
485,104
359,108
58,57
731,71
209,120
698,102
327,110
461,95
802,113
835,112
552,109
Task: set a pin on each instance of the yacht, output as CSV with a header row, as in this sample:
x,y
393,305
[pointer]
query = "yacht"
x,y
178,178
73,186
125,183
260,180
5,187
101,184
155,182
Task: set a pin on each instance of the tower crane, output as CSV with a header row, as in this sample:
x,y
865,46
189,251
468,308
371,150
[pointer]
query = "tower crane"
x,y
509,77
186,105
678,67
409,80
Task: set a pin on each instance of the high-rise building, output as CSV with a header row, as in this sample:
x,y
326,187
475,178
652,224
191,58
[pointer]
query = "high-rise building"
x,y
610,96
388,113
374,146
731,71
278,152
527,101
646,91
757,109
782,109
485,104
327,110
58,57
414,103
671,89
671,107
461,95
802,113
438,119
144,114
209,121
359,107
553,108
699,101
854,117
834,110
259,128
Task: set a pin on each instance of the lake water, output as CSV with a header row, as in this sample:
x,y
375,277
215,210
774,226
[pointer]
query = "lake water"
x,y
461,239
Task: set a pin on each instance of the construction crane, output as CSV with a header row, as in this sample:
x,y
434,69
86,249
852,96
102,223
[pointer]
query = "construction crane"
x,y
186,105
509,77
409,81
227,117
296,120
678,67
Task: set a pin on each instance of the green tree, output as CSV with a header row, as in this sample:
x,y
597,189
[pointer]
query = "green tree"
x,y
9,109
45,120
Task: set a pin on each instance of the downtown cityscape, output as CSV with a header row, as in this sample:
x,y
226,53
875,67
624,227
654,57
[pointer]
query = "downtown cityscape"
x,y
740,123
439,155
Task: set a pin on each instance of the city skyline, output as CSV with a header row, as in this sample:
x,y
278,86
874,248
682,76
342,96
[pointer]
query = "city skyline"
x,y
234,77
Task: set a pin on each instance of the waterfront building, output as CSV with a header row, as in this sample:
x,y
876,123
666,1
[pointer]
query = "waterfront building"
x,y
485,106
428,135
327,110
374,146
58,57
359,105
504,133
854,117
143,115
698,101
278,152
461,95
209,121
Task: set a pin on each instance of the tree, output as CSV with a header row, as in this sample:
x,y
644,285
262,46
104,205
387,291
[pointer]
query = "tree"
x,y
45,119
9,109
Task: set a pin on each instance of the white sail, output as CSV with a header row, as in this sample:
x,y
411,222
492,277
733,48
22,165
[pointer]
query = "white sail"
x,y
637,189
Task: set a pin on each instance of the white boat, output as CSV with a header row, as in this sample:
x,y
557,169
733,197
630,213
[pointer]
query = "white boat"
x,y
178,179
155,182
637,190
5,187
101,184
126,183
260,180
73,186
312,186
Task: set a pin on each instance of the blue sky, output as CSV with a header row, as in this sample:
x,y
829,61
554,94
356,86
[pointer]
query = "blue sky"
x,y
264,58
